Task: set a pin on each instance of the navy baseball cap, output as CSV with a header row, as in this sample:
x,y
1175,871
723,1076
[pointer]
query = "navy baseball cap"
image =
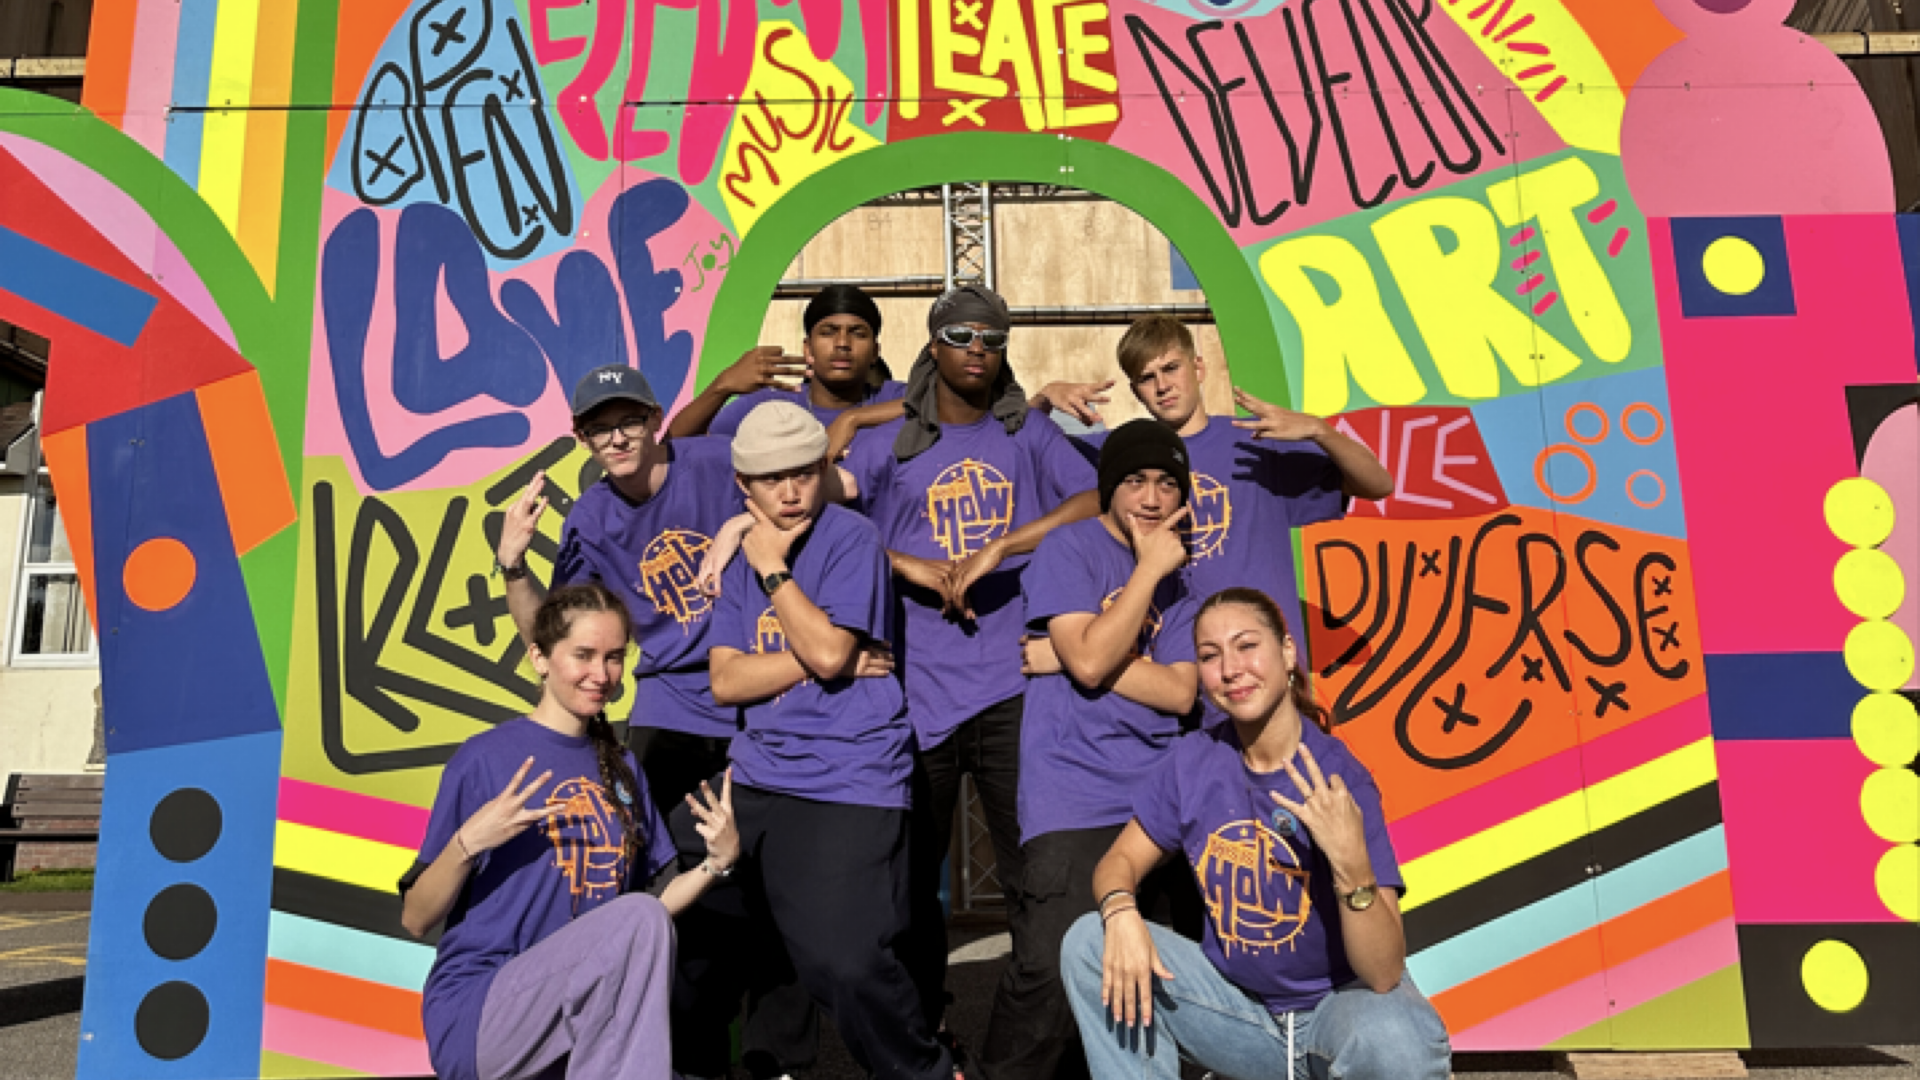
x,y
614,382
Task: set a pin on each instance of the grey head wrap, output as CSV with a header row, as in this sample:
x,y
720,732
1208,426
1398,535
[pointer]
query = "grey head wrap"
x,y
963,304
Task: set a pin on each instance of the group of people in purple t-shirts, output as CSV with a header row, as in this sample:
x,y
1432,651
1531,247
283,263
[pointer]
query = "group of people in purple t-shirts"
x,y
847,598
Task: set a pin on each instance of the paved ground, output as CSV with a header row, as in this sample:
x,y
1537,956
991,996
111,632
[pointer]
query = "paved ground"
x,y
43,962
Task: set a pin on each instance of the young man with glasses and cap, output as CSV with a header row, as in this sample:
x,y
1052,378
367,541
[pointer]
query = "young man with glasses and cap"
x,y
966,479
1111,676
842,370
642,531
801,643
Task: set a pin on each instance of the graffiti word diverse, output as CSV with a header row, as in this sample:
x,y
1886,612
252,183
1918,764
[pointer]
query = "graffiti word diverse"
x,y
507,353
1005,65
1440,466
469,115
1446,253
1462,632
1254,105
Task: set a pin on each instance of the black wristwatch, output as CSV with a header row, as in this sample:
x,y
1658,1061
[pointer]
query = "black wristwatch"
x,y
773,581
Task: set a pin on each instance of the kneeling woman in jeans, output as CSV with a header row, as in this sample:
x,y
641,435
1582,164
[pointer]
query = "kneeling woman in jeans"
x,y
551,965
1302,969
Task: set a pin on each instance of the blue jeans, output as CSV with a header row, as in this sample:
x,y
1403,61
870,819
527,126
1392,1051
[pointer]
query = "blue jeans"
x,y
1353,1034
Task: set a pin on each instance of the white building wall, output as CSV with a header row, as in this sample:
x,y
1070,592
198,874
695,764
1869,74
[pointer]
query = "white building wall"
x,y
46,713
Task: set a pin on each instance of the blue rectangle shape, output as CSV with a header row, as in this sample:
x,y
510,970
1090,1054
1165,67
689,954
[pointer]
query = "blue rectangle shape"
x,y
192,78
228,972
1737,245
1781,695
72,290
1909,227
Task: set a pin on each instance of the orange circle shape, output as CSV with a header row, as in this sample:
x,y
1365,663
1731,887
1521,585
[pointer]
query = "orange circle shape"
x,y
159,574
1540,473
1659,424
1597,411
1655,477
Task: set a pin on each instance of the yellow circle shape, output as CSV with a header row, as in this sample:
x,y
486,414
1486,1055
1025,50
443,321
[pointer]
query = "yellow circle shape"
x,y
1897,879
1860,512
1835,976
1869,583
1734,266
1890,801
1887,730
1879,655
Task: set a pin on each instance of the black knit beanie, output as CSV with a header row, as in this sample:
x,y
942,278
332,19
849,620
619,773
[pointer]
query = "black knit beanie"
x,y
1142,444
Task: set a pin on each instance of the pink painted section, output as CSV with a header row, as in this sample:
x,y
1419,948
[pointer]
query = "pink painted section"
x,y
348,1046
395,427
1893,461
1702,136
1797,846
1554,1016
1761,433
156,34
124,225
368,818
1147,127
1543,781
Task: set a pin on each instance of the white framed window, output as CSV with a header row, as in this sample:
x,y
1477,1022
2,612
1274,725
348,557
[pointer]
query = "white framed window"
x,y
50,625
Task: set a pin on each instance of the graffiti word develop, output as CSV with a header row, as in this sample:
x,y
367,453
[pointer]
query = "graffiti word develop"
x,y
1261,159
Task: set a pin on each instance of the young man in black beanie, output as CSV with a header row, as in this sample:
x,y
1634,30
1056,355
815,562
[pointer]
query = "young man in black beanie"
x,y
842,369
1111,675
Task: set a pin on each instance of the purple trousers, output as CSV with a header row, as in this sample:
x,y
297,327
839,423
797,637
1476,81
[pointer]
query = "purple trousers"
x,y
592,1000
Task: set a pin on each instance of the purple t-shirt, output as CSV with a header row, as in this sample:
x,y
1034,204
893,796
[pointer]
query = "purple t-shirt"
x,y
838,741
974,485
1083,751
727,420
1247,494
521,892
1273,926
649,552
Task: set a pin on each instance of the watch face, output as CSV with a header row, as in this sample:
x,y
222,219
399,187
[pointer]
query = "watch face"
x,y
1362,898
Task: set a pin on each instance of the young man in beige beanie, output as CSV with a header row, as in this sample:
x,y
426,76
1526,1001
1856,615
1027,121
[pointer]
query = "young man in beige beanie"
x,y
801,644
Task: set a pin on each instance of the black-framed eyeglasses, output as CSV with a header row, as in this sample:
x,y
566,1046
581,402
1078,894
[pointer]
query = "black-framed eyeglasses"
x,y
599,435
961,336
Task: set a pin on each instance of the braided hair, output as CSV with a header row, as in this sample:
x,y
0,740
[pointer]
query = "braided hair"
x,y
551,624
1268,612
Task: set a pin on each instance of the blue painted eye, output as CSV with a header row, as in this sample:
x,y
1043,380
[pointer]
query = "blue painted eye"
x,y
1284,822
620,792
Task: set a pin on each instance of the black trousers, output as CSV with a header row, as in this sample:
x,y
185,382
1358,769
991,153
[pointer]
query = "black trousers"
x,y
781,1032
1031,1034
988,747
831,880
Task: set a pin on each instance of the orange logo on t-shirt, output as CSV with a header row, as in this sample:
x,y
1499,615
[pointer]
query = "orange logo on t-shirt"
x,y
1258,901
1212,516
588,840
669,573
969,504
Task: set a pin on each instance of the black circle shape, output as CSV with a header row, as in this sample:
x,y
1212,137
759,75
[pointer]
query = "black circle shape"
x,y
180,921
185,825
172,1020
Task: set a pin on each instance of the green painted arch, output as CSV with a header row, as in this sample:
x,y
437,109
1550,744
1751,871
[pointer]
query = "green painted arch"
x,y
1239,303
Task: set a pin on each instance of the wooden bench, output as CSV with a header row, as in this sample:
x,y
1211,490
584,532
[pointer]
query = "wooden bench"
x,y
50,822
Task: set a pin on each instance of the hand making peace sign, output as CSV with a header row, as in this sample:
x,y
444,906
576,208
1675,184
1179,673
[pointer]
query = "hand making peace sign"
x,y
1333,817
505,816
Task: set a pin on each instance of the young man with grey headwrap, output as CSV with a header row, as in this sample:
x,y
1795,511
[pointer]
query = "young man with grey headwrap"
x,y
962,486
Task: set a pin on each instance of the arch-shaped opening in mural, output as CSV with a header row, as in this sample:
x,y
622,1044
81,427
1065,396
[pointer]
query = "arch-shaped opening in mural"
x,y
1239,306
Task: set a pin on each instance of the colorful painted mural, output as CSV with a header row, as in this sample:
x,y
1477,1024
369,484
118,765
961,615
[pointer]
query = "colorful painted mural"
x,y
1615,288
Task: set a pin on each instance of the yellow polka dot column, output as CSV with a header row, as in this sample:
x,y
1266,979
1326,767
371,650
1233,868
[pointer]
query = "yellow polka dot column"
x,y
1885,726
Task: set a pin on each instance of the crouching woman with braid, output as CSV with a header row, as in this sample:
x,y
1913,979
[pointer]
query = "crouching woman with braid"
x,y
552,964
1302,968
